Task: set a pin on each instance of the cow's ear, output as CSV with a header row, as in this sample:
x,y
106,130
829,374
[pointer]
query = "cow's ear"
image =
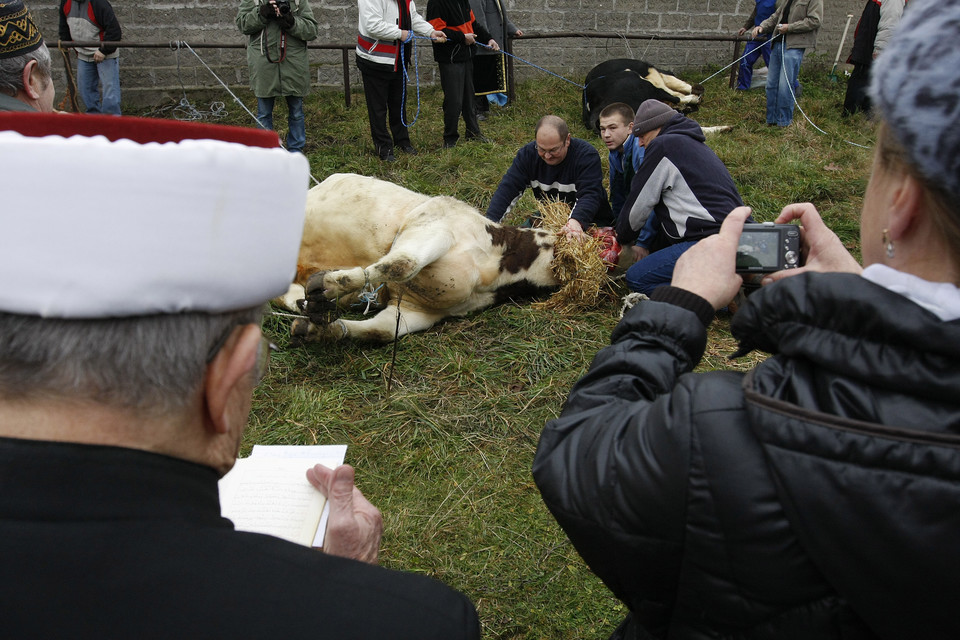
x,y
228,384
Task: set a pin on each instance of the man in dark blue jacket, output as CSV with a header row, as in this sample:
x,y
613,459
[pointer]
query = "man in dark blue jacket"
x,y
686,185
556,166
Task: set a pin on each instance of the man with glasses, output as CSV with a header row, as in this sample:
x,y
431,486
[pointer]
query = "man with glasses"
x,y
130,345
556,166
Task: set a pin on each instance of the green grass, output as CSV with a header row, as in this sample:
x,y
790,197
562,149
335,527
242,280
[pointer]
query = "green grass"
x,y
445,453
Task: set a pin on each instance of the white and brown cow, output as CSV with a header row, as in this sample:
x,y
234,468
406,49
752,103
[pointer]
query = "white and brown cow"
x,y
428,257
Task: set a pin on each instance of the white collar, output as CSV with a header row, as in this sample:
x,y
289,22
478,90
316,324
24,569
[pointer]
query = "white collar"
x,y
940,298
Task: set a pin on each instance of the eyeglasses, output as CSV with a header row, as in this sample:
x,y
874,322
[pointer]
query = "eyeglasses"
x,y
263,354
551,152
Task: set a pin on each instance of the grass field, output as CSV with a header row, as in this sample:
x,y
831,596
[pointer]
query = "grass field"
x,y
442,426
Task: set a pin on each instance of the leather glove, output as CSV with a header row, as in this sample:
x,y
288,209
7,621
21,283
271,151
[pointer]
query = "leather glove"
x,y
267,12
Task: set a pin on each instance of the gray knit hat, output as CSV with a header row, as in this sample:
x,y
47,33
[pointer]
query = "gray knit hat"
x,y
650,115
916,86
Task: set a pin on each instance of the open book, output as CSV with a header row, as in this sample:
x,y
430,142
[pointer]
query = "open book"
x,y
268,492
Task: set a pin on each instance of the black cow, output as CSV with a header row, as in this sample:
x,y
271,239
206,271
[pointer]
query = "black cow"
x,y
633,81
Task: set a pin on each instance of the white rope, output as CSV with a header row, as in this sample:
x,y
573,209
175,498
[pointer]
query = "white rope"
x,y
181,43
783,71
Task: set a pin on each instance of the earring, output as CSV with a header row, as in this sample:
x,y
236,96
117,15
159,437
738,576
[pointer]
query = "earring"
x,y
888,243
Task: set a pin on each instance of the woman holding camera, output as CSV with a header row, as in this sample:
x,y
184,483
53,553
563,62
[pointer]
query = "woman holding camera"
x,y
278,59
818,495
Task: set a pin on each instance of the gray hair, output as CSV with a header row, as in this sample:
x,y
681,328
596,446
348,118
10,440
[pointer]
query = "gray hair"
x,y
154,364
11,69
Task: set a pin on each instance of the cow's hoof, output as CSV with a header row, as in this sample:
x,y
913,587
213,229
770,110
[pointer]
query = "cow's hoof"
x,y
697,89
315,283
299,332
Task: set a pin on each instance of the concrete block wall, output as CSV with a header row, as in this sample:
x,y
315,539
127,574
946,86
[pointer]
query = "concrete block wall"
x,y
155,75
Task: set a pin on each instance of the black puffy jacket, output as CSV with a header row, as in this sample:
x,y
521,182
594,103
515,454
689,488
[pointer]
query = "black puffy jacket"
x,y
817,496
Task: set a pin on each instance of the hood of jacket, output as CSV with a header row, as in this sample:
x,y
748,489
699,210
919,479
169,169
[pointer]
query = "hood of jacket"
x,y
858,412
681,125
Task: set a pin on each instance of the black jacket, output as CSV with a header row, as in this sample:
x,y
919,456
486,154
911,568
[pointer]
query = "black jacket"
x,y
816,497
104,542
455,18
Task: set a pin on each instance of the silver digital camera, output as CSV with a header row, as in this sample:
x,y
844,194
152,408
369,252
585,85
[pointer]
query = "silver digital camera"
x,y
766,247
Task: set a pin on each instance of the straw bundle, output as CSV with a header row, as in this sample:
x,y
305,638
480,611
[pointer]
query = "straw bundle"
x,y
576,264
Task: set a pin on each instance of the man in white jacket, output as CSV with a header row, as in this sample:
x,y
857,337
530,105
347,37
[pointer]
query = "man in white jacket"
x,y
385,29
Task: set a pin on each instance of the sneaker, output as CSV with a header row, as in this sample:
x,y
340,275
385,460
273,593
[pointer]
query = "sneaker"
x,y
481,117
448,144
387,155
409,150
478,137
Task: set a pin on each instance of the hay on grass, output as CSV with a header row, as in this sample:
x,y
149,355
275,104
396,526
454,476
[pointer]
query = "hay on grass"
x,y
576,264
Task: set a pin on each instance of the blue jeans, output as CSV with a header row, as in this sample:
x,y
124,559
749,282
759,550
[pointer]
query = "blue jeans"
x,y
91,76
752,52
781,80
656,269
296,123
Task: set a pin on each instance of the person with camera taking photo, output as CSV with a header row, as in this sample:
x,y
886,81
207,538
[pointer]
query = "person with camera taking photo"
x,y
278,59
814,496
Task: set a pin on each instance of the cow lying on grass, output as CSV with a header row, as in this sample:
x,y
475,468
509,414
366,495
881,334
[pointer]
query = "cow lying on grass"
x,y
428,257
633,81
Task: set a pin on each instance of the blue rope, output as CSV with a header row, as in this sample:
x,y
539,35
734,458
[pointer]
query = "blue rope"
x,y
527,62
406,78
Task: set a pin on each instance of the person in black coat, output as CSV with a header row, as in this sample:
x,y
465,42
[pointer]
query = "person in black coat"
x,y
817,495
455,59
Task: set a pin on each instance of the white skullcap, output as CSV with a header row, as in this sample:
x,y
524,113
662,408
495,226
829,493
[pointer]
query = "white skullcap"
x,y
104,216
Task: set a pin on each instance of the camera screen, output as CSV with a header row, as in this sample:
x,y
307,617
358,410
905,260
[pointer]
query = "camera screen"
x,y
759,248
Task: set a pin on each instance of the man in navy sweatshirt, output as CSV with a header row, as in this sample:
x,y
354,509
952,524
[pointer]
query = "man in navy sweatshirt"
x,y
685,184
556,166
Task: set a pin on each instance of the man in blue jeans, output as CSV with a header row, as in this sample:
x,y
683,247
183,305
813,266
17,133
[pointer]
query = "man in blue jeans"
x,y
87,21
686,186
793,29
278,59
756,47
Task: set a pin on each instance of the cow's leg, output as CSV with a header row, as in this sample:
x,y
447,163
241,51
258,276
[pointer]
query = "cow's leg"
x,y
382,327
688,94
289,300
415,247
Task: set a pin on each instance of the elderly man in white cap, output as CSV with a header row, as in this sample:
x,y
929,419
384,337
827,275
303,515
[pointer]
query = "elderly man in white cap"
x,y
129,348
25,82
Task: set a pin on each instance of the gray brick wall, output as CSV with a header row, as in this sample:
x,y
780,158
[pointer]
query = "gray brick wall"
x,y
154,76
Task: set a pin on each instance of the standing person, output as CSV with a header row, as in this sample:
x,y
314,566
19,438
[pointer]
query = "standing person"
x,y
558,167
455,59
874,29
97,67
126,386
489,69
756,47
793,29
279,60
684,184
384,46
815,496
25,82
